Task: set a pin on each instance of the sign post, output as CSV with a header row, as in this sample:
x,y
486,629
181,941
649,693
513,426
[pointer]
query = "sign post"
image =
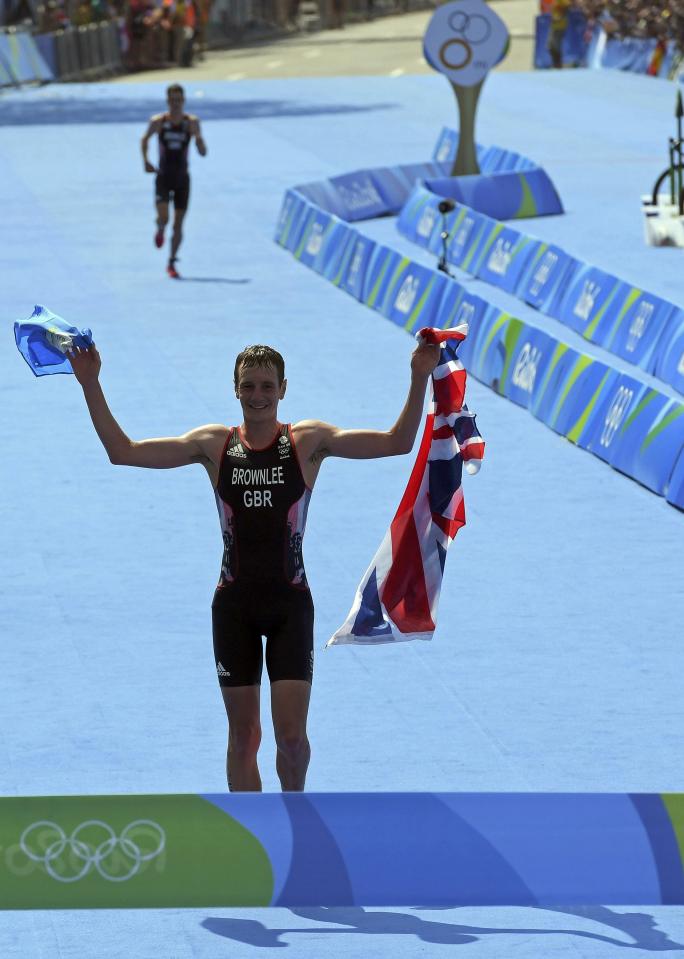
x,y
464,40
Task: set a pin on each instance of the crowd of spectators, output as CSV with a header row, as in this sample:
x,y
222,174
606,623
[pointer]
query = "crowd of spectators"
x,y
659,19
166,32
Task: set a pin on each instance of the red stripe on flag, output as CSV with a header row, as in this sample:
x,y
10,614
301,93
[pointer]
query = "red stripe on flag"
x,y
404,594
416,478
449,393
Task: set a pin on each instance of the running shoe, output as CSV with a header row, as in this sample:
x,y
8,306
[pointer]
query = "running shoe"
x,y
172,271
159,238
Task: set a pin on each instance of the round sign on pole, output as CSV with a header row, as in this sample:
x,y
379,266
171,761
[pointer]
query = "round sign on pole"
x,y
464,40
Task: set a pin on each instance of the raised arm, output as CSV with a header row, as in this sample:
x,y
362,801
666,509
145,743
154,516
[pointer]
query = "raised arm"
x,y
197,446
152,129
199,139
317,440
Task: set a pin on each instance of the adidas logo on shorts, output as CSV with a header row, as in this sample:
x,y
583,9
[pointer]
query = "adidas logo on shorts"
x,y
221,670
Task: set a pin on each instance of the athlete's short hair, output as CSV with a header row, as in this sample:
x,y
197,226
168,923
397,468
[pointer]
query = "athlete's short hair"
x,y
260,356
175,88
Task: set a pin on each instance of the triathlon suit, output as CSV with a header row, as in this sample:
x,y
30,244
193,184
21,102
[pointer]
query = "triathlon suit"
x,y
262,501
173,177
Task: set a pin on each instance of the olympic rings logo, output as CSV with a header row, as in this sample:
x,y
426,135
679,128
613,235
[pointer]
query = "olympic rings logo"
x,y
115,858
471,30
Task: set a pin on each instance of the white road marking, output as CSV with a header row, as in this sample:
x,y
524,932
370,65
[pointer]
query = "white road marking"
x,y
235,76
274,64
397,73
311,54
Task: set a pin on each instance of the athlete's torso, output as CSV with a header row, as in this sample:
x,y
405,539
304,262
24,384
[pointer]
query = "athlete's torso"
x,y
174,140
262,501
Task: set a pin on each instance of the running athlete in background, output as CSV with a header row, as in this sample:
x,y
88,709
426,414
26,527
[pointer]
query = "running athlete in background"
x,y
262,473
175,130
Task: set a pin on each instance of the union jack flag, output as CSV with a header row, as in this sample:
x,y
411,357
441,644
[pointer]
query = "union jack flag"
x,y
398,596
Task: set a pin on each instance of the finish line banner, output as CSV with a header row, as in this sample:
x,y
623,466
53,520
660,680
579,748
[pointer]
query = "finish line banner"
x,y
346,849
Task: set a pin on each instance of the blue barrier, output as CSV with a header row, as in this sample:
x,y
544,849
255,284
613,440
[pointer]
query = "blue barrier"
x,y
379,275
6,77
583,385
617,402
323,195
548,273
22,60
669,361
650,441
419,216
413,296
505,196
636,430
313,236
329,262
354,274
359,196
530,357
504,257
491,159
587,297
288,227
634,54
574,44
467,231
675,492
604,309
45,42
637,328
393,186
494,342
548,387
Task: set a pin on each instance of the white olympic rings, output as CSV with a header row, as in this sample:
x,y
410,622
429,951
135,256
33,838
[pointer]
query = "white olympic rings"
x,y
89,853
472,27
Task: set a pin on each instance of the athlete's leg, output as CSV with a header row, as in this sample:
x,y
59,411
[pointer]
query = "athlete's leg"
x,y
162,220
244,737
289,709
177,237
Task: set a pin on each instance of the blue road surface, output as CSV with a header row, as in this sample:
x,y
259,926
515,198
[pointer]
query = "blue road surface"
x,y
557,661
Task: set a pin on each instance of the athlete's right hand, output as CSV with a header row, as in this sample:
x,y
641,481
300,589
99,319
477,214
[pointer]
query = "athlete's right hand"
x,y
85,364
149,167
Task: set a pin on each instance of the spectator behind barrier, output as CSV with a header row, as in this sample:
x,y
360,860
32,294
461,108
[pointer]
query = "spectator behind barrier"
x,y
658,19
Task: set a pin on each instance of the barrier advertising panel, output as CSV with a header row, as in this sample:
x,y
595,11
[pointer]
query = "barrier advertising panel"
x,y
588,296
550,386
379,274
544,282
414,295
504,256
357,259
651,439
604,429
669,353
637,328
529,360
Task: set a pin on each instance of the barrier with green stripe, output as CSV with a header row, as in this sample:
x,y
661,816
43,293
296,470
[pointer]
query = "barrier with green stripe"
x,y
341,849
586,400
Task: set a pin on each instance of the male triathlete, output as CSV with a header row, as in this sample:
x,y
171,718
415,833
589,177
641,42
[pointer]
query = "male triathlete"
x,y
262,473
175,130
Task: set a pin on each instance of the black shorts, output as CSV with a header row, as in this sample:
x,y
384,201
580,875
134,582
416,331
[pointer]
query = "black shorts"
x,y
242,613
173,187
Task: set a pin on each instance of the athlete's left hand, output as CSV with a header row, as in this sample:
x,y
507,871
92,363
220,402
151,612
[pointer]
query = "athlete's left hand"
x,y
425,358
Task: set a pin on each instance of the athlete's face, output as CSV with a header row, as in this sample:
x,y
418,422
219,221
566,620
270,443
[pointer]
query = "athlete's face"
x,y
259,392
176,101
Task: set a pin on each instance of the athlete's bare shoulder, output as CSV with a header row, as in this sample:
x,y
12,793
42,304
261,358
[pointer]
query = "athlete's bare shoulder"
x,y
154,126
310,436
211,438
